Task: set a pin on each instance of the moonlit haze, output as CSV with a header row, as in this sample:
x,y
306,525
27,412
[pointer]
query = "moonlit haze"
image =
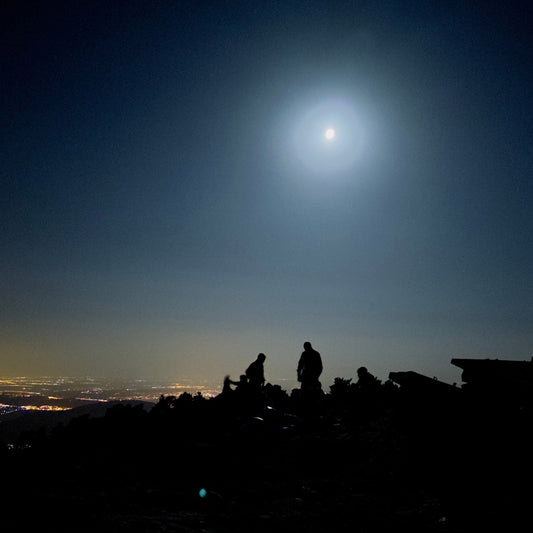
x,y
187,184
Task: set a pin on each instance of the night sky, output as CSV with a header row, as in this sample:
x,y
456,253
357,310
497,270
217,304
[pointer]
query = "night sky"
x,y
171,207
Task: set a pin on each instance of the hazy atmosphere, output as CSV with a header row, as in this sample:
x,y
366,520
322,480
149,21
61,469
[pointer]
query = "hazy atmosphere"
x,y
187,184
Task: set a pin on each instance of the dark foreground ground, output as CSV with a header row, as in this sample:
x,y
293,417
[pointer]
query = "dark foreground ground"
x,y
383,461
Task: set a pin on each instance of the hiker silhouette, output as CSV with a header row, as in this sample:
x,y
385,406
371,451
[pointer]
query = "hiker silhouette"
x,y
309,368
256,373
241,386
366,381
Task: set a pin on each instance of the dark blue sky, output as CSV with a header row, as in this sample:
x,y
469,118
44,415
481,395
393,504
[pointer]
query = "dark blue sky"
x,y
170,208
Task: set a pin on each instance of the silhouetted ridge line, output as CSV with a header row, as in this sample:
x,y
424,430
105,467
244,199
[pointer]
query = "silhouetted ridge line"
x,y
411,453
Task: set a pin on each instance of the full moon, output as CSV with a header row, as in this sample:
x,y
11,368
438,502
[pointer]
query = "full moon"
x,y
328,137
329,134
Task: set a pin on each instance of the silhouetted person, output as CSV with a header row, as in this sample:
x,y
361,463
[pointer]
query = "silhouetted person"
x,y
309,368
241,386
256,373
369,396
226,388
228,382
236,394
366,381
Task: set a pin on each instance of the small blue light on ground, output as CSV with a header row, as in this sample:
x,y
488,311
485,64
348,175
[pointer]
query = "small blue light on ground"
x,y
202,493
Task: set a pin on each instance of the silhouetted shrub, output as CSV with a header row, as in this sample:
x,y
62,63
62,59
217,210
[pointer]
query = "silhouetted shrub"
x,y
341,388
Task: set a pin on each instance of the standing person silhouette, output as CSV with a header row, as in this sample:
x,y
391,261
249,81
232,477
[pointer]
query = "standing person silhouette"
x,y
256,373
309,369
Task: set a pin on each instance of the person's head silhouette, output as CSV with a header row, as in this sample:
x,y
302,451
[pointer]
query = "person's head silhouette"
x,y
362,371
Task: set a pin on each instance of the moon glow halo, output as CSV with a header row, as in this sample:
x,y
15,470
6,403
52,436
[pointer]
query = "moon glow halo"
x,y
329,134
328,138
